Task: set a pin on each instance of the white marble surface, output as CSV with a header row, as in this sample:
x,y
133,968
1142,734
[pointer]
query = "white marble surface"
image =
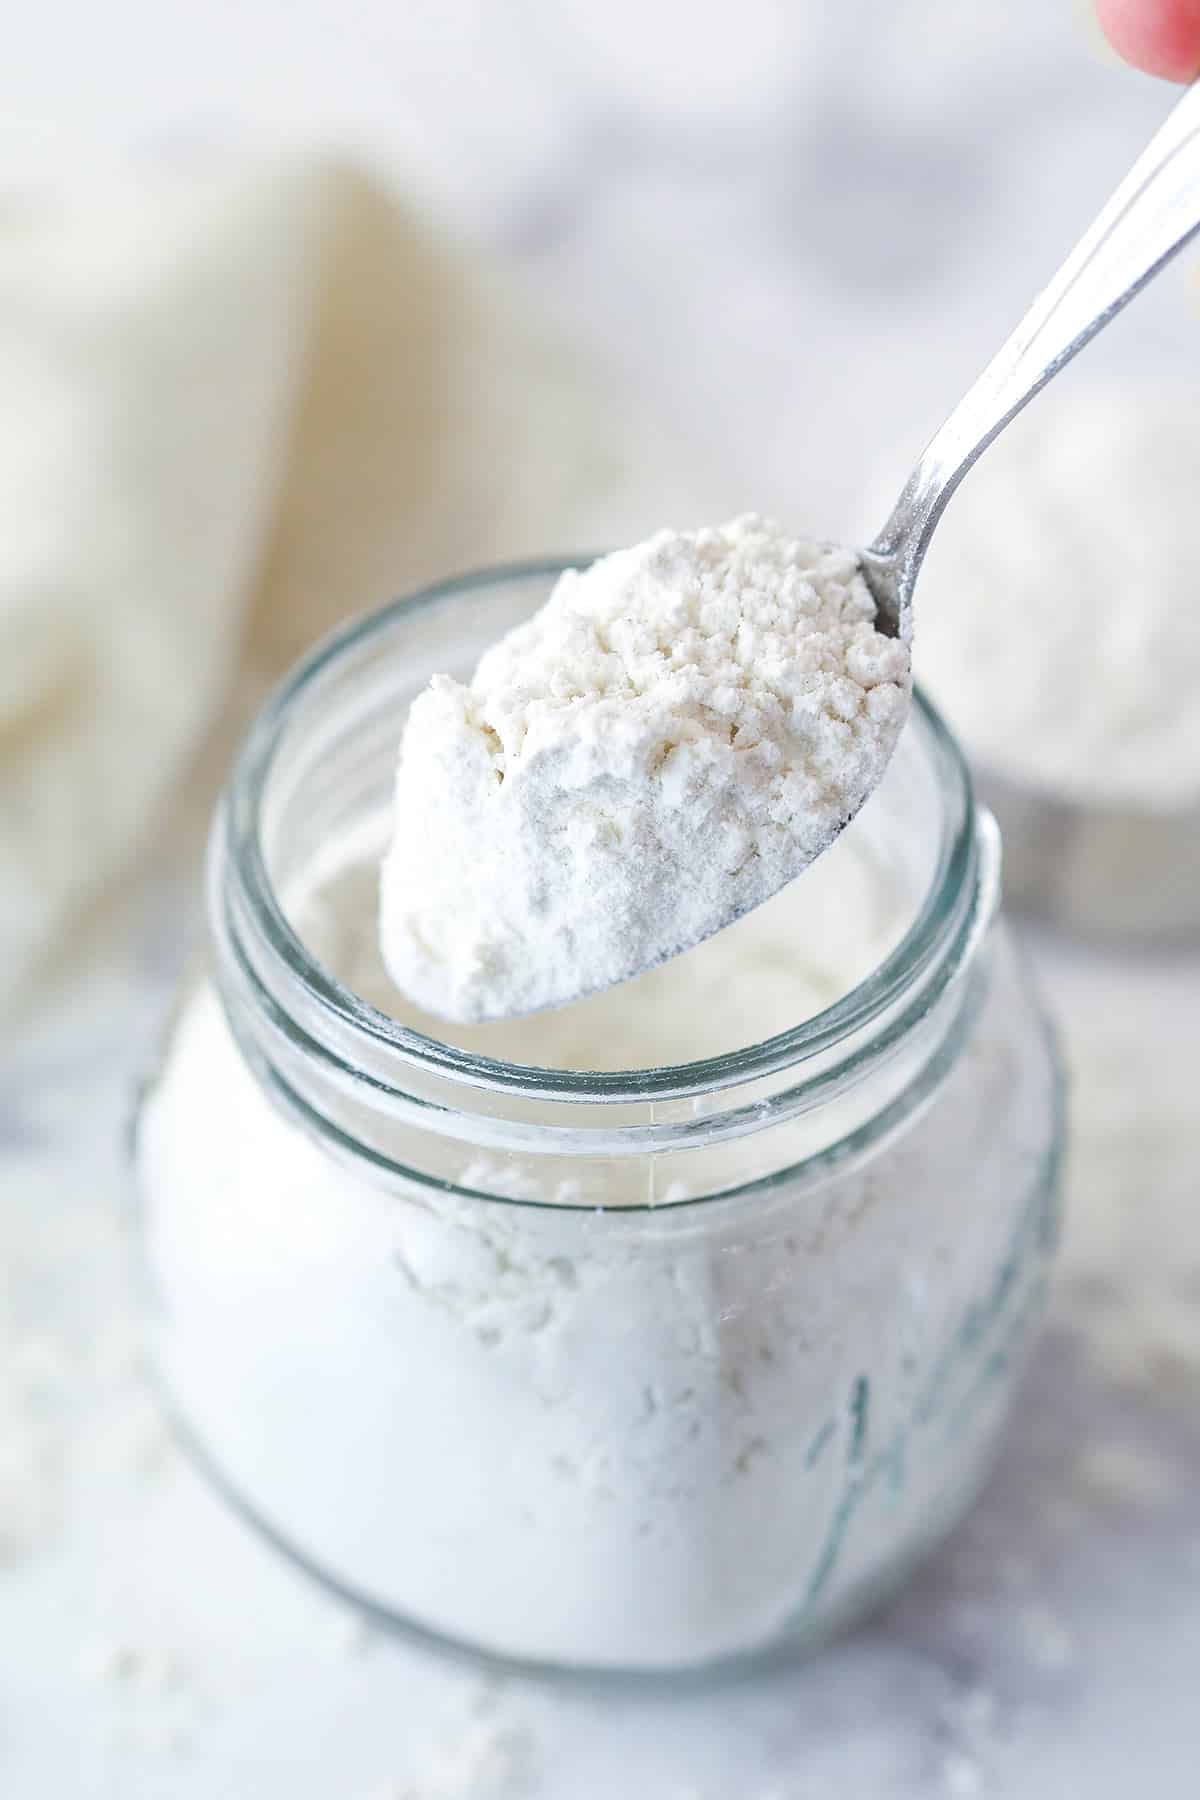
x,y
748,219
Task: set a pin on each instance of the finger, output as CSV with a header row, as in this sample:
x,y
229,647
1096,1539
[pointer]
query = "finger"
x,y
1160,36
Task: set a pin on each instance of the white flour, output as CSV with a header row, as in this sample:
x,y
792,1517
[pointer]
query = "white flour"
x,y
678,732
1058,622
791,957
618,1438
485,1752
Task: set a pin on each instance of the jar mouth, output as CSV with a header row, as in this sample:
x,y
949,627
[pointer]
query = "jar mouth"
x,y
945,916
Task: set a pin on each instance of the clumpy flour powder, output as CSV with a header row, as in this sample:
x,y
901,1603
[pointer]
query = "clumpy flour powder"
x,y
678,732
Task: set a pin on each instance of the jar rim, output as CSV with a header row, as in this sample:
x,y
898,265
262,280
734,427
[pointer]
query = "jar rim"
x,y
239,823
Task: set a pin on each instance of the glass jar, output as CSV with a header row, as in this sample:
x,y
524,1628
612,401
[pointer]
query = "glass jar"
x,y
634,1370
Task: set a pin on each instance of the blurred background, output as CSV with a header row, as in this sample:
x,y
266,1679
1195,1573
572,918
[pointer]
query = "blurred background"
x,y
299,308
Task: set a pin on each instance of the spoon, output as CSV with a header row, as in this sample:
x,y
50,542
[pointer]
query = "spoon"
x,y
1152,215
492,901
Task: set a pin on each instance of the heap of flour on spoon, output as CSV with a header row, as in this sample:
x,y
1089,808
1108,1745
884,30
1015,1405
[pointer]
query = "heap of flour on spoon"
x,y
676,734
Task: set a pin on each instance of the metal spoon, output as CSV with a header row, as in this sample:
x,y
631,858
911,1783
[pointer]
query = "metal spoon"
x,y
1152,215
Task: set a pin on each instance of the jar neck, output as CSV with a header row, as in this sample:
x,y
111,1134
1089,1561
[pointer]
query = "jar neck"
x,y
366,1083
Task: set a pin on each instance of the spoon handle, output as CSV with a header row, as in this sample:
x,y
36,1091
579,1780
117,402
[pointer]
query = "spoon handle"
x,y
1152,215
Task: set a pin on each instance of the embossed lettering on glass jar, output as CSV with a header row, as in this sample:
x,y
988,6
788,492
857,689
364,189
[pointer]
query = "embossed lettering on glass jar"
x,y
634,1369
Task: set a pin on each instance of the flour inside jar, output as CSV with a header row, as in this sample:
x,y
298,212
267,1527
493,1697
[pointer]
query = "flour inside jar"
x,y
785,962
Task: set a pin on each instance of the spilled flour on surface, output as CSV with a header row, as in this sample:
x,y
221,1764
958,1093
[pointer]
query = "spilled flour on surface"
x,y
486,1751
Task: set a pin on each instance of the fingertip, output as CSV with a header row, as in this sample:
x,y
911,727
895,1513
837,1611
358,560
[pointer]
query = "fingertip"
x,y
1160,36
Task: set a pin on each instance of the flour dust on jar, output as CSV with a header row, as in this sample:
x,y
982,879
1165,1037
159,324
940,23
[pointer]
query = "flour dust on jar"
x,y
656,1331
